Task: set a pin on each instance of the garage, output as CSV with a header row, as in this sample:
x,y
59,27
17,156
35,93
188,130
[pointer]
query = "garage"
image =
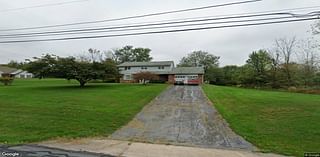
x,y
187,75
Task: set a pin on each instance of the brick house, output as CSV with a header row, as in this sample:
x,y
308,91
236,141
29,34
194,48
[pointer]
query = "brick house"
x,y
164,69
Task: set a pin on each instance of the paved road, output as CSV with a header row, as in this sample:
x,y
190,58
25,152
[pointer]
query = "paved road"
x,y
182,116
42,151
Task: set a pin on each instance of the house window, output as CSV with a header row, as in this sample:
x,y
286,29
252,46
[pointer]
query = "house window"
x,y
144,68
161,67
127,68
127,77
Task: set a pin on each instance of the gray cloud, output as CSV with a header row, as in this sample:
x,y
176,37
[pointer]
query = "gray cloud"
x,y
232,44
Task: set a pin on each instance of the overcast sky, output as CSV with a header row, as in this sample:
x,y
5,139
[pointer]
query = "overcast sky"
x,y
232,44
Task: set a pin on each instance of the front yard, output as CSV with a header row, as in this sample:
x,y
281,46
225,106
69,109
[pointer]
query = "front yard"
x,y
280,122
35,110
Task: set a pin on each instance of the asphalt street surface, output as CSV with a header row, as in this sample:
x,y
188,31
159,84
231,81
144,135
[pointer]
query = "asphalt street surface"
x,y
41,151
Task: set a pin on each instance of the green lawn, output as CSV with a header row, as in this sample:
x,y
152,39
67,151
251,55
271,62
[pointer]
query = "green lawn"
x,y
280,122
35,110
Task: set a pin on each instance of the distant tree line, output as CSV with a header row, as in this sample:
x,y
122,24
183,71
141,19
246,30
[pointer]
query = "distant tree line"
x,y
290,63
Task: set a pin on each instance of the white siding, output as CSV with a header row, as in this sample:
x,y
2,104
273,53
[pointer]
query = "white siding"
x,y
134,70
127,77
24,74
130,70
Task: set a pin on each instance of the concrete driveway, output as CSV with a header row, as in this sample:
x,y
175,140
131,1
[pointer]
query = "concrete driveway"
x,y
136,149
182,115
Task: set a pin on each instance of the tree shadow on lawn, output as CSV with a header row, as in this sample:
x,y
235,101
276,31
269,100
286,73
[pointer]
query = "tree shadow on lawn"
x,y
89,86
72,86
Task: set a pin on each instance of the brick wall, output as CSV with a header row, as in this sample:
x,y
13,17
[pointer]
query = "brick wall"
x,y
200,78
127,81
171,79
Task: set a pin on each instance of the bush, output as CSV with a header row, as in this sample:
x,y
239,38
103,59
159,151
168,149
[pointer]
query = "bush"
x,y
157,81
217,82
292,89
110,81
6,80
145,77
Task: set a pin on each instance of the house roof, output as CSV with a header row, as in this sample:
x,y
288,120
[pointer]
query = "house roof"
x,y
160,63
8,70
162,72
188,70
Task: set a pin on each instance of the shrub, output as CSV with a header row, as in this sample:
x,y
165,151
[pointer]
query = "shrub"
x,y
145,77
292,89
6,80
157,81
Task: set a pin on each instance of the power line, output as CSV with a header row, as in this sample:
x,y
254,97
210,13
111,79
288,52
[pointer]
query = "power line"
x,y
145,25
158,32
245,13
157,27
137,16
44,5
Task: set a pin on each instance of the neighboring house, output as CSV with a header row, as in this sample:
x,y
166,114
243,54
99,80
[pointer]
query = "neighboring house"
x,y
164,69
13,72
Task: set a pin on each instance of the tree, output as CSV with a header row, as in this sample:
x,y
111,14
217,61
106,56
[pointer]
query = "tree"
x,y
81,71
215,75
246,75
145,77
84,72
200,58
130,54
42,67
70,68
316,28
260,61
92,55
141,54
309,59
124,54
285,47
316,79
232,75
16,64
111,71
274,70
